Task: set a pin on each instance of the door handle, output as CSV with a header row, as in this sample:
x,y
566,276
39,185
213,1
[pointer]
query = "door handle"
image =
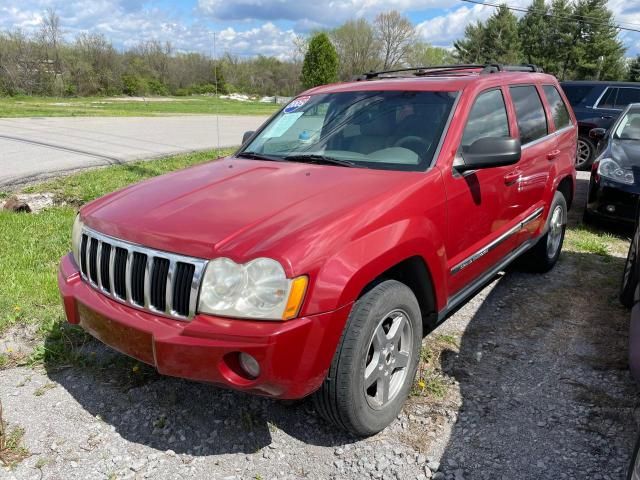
x,y
553,154
512,177
607,117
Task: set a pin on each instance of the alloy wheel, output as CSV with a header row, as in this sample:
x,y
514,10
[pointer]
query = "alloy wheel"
x,y
388,359
554,236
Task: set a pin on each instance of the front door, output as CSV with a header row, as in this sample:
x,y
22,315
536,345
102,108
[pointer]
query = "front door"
x,y
478,215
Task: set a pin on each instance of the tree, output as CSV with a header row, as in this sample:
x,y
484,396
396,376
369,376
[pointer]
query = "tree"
x,y
395,34
470,49
320,64
633,74
596,52
357,48
423,54
533,31
501,41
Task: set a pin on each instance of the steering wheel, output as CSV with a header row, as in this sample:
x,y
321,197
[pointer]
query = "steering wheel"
x,y
413,141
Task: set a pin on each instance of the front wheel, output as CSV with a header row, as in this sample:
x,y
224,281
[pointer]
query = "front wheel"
x,y
544,254
374,366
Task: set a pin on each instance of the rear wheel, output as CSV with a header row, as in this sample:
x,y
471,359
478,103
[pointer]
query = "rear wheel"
x,y
585,153
374,366
544,254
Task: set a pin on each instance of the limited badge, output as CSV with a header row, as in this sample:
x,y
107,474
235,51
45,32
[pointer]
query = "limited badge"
x,y
296,104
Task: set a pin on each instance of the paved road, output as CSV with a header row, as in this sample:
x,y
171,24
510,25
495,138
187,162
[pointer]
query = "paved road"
x,y
32,148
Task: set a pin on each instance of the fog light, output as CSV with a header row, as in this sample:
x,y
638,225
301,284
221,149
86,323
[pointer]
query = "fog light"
x,y
610,208
249,364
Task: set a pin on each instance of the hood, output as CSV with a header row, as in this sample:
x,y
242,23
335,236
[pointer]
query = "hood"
x,y
626,152
240,208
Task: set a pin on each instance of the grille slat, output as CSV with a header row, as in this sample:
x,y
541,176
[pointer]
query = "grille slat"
x,y
105,262
153,280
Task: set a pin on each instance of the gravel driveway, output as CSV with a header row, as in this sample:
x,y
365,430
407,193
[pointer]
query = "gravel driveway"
x,y
533,380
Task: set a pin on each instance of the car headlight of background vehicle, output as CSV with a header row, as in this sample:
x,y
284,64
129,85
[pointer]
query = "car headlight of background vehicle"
x,y
609,168
76,238
258,289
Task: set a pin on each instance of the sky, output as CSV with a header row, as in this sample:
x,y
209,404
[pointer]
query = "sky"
x,y
251,27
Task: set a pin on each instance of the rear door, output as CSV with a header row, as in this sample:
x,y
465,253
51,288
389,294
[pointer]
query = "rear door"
x,y
525,194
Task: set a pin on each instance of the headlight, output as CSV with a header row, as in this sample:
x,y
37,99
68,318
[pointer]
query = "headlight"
x,y
258,289
76,238
610,169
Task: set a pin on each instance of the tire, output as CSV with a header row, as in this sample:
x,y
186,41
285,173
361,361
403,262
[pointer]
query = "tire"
x,y
542,257
365,349
586,150
630,274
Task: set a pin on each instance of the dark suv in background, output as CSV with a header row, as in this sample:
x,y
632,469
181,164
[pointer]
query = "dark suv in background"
x,y
597,105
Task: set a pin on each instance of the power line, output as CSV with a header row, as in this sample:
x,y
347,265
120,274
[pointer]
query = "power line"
x,y
566,17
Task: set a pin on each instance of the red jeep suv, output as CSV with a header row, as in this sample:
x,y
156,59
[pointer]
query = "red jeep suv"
x,y
313,259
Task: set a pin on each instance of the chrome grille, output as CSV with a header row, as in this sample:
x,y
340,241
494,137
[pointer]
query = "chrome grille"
x,y
160,282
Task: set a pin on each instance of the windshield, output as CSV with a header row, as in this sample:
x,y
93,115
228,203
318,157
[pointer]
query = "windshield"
x,y
397,130
629,126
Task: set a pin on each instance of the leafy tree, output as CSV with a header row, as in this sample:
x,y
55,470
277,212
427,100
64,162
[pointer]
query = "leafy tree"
x,y
633,74
395,35
562,34
423,54
357,47
320,64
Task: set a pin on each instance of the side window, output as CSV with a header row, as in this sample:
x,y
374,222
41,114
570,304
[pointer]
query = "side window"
x,y
627,96
608,100
488,118
532,121
559,110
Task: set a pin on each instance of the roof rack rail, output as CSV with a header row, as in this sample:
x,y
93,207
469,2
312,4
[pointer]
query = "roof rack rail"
x,y
525,67
445,69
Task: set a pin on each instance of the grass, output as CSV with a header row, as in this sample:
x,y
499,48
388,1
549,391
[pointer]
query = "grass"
x,y
25,106
582,239
31,246
12,451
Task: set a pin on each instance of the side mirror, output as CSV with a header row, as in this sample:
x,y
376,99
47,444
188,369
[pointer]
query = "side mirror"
x,y
489,152
597,133
247,135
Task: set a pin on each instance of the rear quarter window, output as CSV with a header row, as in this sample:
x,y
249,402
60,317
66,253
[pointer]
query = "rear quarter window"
x,y
532,121
559,111
627,95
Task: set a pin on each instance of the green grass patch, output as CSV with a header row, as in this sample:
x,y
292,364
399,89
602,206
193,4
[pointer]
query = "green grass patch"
x,y
31,246
12,451
590,241
25,106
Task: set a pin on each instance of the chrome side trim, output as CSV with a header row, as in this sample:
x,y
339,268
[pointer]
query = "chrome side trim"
x,y
493,244
474,287
131,248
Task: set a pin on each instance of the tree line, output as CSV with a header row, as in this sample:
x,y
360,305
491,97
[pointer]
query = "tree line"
x,y
569,38
572,40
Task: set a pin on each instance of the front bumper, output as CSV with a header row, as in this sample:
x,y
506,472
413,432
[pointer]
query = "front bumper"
x,y
613,200
294,356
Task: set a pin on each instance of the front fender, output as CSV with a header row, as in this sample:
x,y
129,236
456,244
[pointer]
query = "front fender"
x,y
348,271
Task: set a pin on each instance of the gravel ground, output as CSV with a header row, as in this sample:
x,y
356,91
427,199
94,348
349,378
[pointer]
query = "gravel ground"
x,y
534,386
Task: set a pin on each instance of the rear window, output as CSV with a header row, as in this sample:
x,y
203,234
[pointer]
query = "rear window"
x,y
559,110
532,121
576,93
627,96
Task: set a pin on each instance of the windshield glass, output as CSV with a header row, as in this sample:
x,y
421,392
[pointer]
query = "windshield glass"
x,y
629,126
397,130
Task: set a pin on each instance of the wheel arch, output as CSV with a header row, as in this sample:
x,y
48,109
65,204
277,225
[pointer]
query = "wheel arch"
x,y
566,188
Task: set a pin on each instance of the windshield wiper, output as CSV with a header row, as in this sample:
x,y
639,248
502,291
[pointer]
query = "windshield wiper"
x,y
319,159
259,156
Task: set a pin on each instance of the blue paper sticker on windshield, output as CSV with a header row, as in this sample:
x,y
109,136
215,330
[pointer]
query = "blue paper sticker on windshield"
x,y
296,104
